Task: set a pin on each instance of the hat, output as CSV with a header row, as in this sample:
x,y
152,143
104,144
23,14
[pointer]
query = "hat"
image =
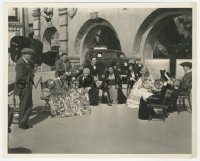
x,y
27,51
186,64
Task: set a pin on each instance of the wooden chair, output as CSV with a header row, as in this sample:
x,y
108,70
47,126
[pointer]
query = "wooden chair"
x,y
159,111
45,95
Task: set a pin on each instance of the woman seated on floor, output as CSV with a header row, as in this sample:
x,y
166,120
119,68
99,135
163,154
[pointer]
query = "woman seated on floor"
x,y
142,89
67,99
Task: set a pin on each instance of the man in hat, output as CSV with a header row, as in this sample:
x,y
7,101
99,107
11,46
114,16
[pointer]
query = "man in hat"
x,y
186,82
23,86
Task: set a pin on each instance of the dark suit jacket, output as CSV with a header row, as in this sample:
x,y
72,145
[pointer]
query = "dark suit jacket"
x,y
88,82
24,76
93,72
186,82
60,68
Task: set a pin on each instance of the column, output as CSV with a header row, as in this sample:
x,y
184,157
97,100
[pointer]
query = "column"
x,y
63,35
26,22
36,23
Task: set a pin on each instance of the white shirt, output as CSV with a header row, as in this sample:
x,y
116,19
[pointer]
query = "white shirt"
x,y
133,75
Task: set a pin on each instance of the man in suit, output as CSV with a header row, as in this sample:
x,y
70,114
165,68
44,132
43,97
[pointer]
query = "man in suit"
x,y
186,82
184,86
23,86
92,66
63,66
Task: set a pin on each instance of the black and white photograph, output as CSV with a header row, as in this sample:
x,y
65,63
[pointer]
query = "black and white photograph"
x,y
100,78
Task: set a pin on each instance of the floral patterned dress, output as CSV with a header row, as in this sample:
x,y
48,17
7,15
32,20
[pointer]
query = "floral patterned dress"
x,y
69,101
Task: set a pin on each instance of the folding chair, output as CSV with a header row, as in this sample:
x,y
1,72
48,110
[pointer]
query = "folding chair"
x,y
160,111
45,97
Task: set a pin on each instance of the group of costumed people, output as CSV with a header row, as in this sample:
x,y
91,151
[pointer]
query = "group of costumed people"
x,y
145,90
72,92
75,92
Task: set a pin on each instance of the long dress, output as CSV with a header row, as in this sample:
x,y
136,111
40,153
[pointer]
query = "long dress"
x,y
114,88
140,90
68,101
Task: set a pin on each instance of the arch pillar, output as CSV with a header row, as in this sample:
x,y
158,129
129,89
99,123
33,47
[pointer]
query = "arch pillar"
x,y
36,23
63,26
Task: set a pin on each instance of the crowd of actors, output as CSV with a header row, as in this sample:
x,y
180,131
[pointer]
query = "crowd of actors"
x,y
74,91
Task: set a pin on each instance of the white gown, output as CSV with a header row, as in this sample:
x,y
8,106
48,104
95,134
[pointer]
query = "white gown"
x,y
140,89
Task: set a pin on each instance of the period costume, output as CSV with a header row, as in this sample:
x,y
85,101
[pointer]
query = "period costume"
x,y
95,72
93,69
185,88
23,87
140,89
89,83
186,82
132,77
114,87
66,101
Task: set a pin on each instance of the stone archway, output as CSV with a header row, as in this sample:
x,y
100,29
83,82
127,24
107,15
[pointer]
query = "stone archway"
x,y
160,34
155,22
95,32
51,40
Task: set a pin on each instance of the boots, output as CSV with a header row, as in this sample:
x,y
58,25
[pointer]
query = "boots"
x,y
109,102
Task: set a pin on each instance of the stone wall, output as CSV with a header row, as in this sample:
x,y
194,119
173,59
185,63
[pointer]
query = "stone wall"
x,y
126,28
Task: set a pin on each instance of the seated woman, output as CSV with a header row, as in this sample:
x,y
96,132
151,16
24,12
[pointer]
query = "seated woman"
x,y
141,89
113,81
87,83
132,77
67,100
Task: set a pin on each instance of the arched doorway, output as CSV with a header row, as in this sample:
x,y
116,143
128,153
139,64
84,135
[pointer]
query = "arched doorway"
x,y
51,40
93,33
165,34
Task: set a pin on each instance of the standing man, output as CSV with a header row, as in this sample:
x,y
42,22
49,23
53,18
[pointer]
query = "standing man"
x,y
63,66
23,86
186,82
